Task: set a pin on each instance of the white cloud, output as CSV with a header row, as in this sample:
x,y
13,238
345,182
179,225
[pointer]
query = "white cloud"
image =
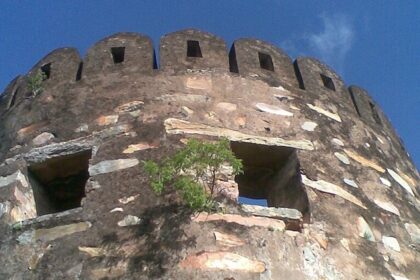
x,y
331,44
335,40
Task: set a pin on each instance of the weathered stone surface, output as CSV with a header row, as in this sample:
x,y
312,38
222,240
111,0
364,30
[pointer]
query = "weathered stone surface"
x,y
129,220
26,131
107,120
24,207
272,212
324,112
337,142
228,189
110,272
139,147
93,251
341,157
184,98
364,229
273,110
350,183
43,138
327,187
364,161
391,243
186,111
49,234
129,107
226,107
399,277
385,182
414,232
82,128
128,199
388,206
198,83
15,177
238,219
309,126
223,261
4,208
400,181
108,166
175,126
228,240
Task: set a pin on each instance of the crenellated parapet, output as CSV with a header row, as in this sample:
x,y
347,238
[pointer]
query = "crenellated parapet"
x,y
188,51
327,190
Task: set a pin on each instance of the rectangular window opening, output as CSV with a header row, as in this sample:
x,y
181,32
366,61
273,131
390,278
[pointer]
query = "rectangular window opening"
x,y
265,61
328,82
375,114
271,177
79,72
118,54
193,49
46,69
59,183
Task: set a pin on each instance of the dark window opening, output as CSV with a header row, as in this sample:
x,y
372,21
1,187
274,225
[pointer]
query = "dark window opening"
x,y
265,61
328,82
233,63
155,65
79,72
298,75
118,54
46,69
59,183
375,114
193,49
271,177
353,98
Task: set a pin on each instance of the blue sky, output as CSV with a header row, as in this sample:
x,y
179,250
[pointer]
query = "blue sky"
x,y
373,44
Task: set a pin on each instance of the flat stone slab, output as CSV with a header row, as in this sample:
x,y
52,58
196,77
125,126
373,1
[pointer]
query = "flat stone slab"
x,y
49,234
272,212
223,261
176,126
241,220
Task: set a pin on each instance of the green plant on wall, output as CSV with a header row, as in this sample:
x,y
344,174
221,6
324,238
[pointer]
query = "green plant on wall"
x,y
193,171
35,82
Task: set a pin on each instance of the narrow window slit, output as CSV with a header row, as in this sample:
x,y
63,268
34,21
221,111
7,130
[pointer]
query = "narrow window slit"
x,y
46,69
193,49
375,114
328,82
79,72
118,54
265,61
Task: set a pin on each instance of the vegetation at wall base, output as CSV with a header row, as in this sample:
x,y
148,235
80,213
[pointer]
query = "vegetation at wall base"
x,y
193,171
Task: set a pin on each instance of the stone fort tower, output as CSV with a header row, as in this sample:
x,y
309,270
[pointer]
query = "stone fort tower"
x,y
75,201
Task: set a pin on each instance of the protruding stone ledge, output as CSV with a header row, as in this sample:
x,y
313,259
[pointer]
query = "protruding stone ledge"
x,y
176,126
327,187
272,212
241,220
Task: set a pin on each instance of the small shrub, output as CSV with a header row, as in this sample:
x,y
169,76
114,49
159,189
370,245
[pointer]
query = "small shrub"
x,y
35,83
193,171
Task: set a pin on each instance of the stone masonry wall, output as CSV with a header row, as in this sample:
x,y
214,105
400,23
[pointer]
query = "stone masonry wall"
x,y
360,185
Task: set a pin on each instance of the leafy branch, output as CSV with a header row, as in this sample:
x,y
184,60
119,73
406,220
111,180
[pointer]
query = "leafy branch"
x,y
193,171
35,82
